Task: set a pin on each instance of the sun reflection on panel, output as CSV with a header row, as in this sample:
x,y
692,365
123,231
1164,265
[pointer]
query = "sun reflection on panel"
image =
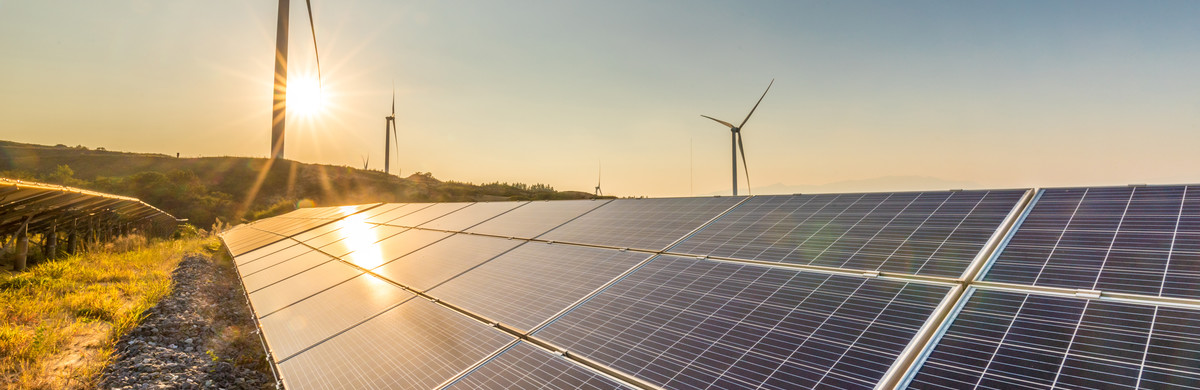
x,y
359,237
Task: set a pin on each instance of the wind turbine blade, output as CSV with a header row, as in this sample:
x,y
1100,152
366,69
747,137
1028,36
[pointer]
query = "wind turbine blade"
x,y
747,167
393,98
313,26
719,121
760,98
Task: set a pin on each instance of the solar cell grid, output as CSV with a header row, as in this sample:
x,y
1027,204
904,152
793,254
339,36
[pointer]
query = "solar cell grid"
x,y
1117,239
1017,340
264,251
535,218
363,236
926,233
531,283
471,215
407,208
684,323
641,223
306,322
415,345
523,366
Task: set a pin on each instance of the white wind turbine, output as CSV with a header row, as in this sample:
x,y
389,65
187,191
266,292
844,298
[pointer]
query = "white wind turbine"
x,y
736,134
389,131
279,106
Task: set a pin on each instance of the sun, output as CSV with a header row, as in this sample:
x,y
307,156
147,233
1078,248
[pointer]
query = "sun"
x,y
304,97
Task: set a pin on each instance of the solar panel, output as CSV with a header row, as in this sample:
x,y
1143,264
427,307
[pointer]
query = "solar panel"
x,y
415,345
524,366
1012,340
1138,240
361,238
250,267
531,283
641,223
426,214
404,209
925,233
434,264
300,286
471,215
253,281
311,320
684,323
264,251
535,218
393,247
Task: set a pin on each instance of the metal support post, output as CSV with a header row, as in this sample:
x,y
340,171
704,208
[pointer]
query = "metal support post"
x,y
22,246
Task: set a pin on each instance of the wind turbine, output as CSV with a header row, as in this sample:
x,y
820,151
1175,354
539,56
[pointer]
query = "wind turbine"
x,y
388,131
366,160
736,137
279,106
598,172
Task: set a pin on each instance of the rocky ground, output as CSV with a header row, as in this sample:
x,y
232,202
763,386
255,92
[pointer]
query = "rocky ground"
x,y
201,336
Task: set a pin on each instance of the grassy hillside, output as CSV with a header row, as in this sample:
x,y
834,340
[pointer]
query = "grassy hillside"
x,y
202,189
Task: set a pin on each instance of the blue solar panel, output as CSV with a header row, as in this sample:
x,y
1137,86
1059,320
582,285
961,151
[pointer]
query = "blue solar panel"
x,y
1137,240
926,233
684,323
1009,340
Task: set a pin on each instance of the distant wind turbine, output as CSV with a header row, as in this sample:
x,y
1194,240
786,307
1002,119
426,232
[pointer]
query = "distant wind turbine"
x,y
736,136
389,131
279,106
599,170
366,160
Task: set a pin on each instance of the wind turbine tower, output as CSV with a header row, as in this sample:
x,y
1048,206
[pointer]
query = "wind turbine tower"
x,y
736,136
279,103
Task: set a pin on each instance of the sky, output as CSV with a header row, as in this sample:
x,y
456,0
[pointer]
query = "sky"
x,y
897,95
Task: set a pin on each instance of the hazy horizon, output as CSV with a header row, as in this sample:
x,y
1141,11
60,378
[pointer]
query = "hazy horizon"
x,y
1001,95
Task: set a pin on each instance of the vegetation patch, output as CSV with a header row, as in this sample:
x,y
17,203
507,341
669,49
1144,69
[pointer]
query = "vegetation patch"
x,y
59,321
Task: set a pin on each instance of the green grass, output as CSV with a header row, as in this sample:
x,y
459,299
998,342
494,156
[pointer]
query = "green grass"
x,y
60,320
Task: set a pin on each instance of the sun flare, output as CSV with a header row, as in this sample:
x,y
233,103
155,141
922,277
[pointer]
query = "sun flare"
x,y
304,97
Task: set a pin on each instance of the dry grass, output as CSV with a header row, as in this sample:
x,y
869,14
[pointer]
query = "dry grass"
x,y
60,320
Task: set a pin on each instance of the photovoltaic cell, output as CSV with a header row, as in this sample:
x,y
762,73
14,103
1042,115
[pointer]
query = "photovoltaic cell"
x,y
434,264
524,366
266,250
1139,240
307,322
535,218
529,284
415,345
1009,340
300,286
471,215
641,223
926,233
684,323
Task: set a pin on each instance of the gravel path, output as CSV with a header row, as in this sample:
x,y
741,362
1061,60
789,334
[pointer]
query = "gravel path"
x,y
199,337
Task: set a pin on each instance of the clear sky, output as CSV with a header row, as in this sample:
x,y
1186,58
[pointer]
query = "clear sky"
x,y
990,94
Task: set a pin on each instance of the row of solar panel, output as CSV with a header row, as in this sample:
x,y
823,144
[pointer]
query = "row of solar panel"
x,y
665,322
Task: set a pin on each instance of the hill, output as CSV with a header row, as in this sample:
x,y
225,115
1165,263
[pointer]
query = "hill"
x,y
241,188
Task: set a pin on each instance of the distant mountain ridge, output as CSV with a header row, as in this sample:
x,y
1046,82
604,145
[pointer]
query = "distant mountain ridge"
x,y
238,188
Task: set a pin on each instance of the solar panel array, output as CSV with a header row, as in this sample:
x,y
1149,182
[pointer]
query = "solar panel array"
x,y
1073,288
